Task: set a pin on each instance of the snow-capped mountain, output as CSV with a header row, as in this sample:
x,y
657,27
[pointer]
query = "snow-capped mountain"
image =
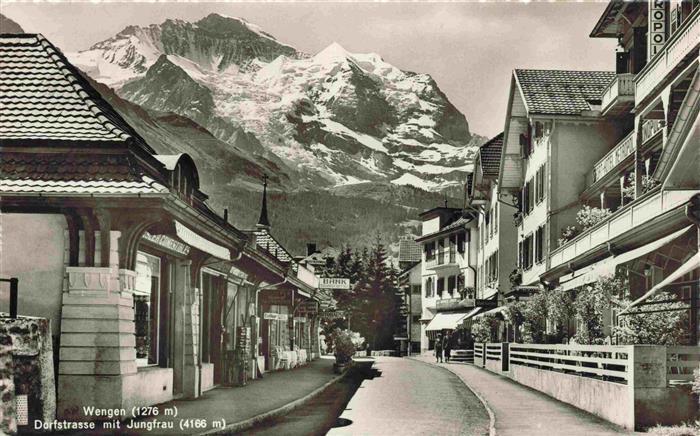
x,y
329,119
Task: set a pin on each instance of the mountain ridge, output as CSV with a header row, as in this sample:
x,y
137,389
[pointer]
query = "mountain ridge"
x,y
330,119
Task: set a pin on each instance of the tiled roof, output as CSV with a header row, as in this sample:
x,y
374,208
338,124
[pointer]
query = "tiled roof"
x,y
559,92
490,156
409,249
43,97
265,241
73,174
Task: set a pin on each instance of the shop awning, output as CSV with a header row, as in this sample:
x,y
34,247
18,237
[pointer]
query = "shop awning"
x,y
606,267
446,321
495,311
689,265
193,239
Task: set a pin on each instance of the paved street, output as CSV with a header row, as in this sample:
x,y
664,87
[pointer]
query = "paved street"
x,y
411,398
520,410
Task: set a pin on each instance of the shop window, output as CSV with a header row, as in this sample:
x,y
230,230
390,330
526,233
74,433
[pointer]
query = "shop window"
x,y
146,308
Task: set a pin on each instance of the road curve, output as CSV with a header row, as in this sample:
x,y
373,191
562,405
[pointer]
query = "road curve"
x,y
412,398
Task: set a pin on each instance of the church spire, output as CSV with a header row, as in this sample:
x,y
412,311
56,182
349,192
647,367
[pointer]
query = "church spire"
x,y
264,221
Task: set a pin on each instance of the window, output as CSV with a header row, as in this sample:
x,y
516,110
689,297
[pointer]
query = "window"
x,y
539,181
461,242
440,286
527,252
495,218
526,196
530,196
415,289
429,287
146,308
451,284
521,263
539,244
429,251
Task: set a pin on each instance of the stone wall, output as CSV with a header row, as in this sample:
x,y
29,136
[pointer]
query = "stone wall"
x,y
26,368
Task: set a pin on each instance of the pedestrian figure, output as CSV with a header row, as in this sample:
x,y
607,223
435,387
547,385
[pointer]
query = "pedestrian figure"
x,y
438,348
448,347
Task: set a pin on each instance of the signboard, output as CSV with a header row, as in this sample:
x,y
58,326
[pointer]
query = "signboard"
x,y
333,314
307,308
271,316
334,283
471,302
282,297
243,338
657,27
168,243
299,319
282,317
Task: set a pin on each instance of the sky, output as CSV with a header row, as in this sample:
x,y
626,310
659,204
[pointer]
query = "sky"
x,y
470,49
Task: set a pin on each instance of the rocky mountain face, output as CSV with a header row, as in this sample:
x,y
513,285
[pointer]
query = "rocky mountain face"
x,y
327,120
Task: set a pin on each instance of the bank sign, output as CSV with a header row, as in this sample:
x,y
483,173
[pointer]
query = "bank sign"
x,y
657,26
334,283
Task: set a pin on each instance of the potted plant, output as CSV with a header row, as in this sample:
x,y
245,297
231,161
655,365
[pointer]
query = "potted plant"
x,y
344,350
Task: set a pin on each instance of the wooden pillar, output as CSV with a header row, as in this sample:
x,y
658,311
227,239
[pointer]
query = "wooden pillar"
x,y
104,221
89,226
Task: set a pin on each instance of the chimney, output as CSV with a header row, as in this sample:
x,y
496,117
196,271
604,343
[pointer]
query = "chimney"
x,y
310,249
226,214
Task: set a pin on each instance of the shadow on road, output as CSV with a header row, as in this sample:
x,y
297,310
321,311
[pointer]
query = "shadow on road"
x,y
322,413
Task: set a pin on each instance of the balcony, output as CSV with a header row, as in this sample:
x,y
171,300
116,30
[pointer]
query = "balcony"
x,y
618,97
619,153
443,259
623,222
681,44
650,128
447,304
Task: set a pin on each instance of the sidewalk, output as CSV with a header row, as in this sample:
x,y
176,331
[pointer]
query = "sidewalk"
x,y
519,410
234,405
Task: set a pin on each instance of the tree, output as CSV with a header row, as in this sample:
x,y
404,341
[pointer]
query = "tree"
x,y
535,319
662,324
593,306
561,310
484,328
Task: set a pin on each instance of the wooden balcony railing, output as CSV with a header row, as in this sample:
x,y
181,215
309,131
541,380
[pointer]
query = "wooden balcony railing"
x,y
619,152
681,43
621,86
625,219
650,128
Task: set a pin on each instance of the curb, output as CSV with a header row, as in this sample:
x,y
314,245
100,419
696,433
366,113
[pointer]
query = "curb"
x,y
492,415
283,410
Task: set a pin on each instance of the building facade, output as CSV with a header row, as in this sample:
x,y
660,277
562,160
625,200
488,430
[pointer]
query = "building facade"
x,y
149,294
448,273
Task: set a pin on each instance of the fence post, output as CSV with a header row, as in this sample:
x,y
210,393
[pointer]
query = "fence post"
x,y
14,296
647,385
504,356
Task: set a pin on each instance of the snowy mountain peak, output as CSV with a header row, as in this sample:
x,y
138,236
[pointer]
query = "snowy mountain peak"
x,y
333,53
334,118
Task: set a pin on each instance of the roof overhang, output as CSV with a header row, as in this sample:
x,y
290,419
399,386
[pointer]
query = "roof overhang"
x,y
606,26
